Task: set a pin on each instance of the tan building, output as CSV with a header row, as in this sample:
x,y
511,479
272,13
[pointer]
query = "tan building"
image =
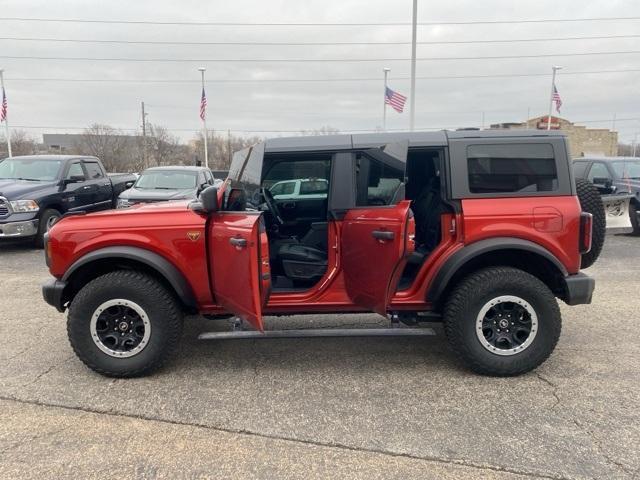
x,y
582,140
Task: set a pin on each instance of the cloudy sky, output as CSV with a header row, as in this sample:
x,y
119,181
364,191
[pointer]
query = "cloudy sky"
x,y
264,97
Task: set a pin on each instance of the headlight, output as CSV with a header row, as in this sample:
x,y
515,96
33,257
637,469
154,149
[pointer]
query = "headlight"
x,y
22,206
124,203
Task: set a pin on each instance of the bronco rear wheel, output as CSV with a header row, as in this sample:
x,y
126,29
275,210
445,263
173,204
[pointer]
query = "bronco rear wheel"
x,y
502,321
124,324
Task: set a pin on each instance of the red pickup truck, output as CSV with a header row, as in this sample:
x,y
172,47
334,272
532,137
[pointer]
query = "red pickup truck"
x,y
479,230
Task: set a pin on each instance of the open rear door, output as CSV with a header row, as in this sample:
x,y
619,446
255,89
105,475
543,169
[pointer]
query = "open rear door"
x,y
238,245
377,240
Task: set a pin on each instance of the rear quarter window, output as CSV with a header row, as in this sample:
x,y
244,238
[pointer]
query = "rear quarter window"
x,y
511,168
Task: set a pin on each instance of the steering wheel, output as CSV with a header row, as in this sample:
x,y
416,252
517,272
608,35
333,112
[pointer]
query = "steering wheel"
x,y
272,206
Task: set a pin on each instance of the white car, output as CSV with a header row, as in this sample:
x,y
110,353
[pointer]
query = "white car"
x,y
298,189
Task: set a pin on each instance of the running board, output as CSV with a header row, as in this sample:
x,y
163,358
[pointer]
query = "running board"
x,y
320,332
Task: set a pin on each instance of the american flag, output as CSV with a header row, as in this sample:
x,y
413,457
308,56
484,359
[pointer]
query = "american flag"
x,y
203,106
3,111
556,98
394,99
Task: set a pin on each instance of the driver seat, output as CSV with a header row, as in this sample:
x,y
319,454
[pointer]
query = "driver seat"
x,y
302,262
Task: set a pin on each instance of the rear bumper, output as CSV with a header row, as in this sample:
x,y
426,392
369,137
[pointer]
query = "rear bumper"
x,y
52,292
28,228
580,289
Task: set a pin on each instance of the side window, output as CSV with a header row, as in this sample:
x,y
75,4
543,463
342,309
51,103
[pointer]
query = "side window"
x,y
506,168
314,187
598,170
376,182
93,170
580,169
282,177
75,170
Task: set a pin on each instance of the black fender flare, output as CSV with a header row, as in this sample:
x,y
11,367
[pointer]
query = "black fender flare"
x,y
473,250
151,259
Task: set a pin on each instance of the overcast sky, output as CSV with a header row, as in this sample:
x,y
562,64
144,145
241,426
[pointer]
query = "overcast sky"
x,y
242,98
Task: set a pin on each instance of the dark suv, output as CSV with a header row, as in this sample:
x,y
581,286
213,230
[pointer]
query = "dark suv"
x,y
479,230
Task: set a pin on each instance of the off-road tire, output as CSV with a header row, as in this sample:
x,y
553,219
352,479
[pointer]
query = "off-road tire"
x,y
591,202
473,292
633,216
158,303
45,218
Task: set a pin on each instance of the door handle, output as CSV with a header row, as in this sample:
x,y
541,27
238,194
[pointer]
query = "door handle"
x,y
238,242
383,235
86,187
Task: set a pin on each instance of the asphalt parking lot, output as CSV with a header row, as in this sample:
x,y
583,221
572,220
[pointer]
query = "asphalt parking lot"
x,y
323,408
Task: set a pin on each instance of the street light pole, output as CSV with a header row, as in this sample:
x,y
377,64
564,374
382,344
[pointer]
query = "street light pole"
x,y
6,120
553,84
204,126
386,71
412,96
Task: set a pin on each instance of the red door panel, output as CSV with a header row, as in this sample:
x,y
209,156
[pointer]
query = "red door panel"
x,y
239,264
375,245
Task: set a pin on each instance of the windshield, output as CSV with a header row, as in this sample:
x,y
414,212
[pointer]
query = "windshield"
x,y
35,170
167,180
627,169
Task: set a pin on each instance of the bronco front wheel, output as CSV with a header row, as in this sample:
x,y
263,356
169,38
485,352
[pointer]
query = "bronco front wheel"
x,y
124,324
502,321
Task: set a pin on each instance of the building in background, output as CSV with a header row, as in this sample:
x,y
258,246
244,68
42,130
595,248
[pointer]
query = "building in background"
x,y
582,140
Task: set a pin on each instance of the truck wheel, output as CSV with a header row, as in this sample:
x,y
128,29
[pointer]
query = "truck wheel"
x,y
502,321
591,202
635,223
124,324
47,219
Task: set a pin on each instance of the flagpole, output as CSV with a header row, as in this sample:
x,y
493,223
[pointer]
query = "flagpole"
x,y
6,120
553,83
386,71
412,96
205,138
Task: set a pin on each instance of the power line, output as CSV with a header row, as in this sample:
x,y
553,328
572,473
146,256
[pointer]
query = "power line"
x,y
303,80
448,42
309,60
315,24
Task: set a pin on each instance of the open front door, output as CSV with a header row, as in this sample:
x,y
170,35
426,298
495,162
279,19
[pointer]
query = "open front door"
x,y
377,235
238,245
239,257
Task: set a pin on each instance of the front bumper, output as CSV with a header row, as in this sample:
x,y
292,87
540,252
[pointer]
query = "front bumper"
x,y
52,291
579,289
27,228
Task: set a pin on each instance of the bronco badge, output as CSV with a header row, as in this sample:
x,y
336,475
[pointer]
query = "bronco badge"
x,y
193,236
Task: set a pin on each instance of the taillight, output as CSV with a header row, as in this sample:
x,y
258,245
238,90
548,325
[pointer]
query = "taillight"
x,y
586,232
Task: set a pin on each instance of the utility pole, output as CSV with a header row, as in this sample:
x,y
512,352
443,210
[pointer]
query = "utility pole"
x,y
412,97
6,119
203,115
386,71
229,147
553,85
144,136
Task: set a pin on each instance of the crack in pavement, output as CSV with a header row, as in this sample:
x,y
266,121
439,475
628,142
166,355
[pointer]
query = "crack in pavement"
x,y
47,371
33,439
600,449
340,446
554,388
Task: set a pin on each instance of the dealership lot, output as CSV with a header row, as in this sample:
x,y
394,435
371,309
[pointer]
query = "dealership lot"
x,y
315,408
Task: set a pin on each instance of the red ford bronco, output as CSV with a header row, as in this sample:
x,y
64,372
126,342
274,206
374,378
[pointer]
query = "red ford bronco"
x,y
481,230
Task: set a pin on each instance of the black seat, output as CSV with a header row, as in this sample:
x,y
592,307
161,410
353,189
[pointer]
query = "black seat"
x,y
302,262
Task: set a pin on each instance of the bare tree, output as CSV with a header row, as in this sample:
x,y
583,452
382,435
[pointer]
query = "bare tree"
x,y
324,130
21,144
117,151
162,147
221,148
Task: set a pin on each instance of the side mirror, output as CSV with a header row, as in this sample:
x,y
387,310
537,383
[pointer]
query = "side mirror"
x,y
604,184
128,185
74,179
209,200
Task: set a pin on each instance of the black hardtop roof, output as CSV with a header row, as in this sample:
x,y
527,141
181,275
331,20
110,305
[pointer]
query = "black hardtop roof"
x,y
55,157
370,140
